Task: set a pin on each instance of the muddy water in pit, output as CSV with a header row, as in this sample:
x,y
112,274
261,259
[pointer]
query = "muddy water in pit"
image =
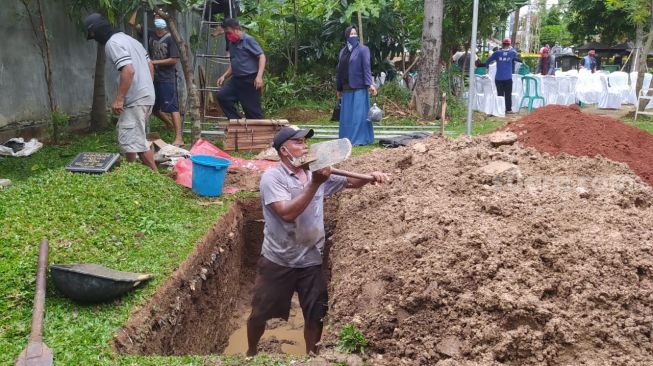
x,y
289,335
202,308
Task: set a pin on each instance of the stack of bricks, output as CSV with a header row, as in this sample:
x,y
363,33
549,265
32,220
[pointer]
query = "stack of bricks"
x,y
253,135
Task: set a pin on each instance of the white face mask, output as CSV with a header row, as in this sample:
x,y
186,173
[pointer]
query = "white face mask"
x,y
295,161
160,23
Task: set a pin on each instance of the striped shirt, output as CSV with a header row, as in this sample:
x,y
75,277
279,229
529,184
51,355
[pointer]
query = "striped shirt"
x,y
123,50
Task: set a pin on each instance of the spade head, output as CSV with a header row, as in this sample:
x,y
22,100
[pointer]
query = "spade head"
x,y
36,354
324,154
329,153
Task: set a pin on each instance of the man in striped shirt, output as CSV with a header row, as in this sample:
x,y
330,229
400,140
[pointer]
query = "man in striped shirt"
x,y
135,94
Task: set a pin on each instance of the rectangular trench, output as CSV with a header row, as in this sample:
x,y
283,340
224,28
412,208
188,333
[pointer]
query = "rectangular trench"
x,y
192,311
197,309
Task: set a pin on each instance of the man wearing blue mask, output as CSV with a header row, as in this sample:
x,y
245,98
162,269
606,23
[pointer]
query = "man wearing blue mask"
x,y
164,53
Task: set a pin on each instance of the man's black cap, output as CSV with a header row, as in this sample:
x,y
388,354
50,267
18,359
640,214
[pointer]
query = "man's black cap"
x,y
289,133
92,21
231,23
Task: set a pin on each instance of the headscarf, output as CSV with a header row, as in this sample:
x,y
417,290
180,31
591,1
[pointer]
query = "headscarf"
x,y
343,61
349,44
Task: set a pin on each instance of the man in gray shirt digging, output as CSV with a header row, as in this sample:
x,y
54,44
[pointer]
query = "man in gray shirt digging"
x,y
292,200
135,94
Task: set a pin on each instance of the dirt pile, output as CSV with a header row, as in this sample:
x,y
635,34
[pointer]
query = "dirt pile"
x,y
496,255
559,129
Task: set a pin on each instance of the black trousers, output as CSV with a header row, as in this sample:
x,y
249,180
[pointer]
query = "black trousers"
x,y
504,89
240,89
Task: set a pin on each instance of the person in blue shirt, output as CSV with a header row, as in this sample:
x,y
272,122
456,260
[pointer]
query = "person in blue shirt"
x,y
504,58
246,67
589,62
353,80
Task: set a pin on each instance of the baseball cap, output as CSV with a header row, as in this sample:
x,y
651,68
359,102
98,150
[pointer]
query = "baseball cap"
x,y
506,41
231,23
289,133
92,21
544,50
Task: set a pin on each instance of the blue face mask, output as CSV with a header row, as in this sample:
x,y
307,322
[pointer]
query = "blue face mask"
x,y
159,23
353,41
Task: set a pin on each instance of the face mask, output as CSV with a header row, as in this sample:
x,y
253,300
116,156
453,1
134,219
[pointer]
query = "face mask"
x,y
159,23
102,32
233,37
353,41
295,161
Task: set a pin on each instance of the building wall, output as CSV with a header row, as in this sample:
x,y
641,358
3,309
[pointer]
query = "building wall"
x,y
23,89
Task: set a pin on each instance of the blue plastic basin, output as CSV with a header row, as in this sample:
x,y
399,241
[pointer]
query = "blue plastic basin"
x,y
208,174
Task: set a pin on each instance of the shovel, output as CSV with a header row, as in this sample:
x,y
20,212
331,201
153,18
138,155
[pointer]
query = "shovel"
x,y
328,153
37,353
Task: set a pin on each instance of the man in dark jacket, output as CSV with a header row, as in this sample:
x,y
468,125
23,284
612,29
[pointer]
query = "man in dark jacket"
x,y
247,64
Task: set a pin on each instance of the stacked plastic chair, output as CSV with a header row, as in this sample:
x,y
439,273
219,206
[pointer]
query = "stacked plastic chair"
x,y
530,89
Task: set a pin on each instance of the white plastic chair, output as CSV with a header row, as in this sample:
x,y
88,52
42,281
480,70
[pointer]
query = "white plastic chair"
x,y
573,79
517,92
486,96
492,70
564,90
549,88
619,82
610,98
588,87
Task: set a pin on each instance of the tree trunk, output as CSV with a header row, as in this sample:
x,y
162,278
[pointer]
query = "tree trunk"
x,y
294,4
515,25
99,108
360,28
641,63
41,37
191,89
428,86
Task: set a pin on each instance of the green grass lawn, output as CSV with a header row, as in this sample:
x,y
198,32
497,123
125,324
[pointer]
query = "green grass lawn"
x,y
129,219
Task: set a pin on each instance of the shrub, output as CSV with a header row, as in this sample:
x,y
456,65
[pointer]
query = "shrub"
x,y
351,340
287,89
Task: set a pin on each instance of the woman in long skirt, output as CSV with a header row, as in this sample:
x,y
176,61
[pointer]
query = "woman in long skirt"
x,y
354,83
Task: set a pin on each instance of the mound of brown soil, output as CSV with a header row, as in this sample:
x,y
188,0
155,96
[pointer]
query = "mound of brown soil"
x,y
558,129
476,255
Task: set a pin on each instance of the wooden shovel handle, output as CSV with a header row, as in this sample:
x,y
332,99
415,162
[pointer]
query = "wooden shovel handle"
x,y
39,296
345,173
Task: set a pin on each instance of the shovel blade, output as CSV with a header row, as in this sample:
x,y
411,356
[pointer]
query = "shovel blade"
x,y
36,354
329,153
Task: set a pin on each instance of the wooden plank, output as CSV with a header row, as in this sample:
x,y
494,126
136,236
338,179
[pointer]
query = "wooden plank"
x,y
260,122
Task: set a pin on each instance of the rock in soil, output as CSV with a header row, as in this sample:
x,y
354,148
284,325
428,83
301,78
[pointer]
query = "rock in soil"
x,y
502,138
440,267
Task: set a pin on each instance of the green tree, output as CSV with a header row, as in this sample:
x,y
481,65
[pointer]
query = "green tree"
x,y
587,19
640,14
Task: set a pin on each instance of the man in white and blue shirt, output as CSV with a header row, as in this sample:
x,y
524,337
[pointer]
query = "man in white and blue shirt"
x,y
504,58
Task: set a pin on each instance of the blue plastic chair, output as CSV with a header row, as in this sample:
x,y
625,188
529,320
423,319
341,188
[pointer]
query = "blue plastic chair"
x,y
527,81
